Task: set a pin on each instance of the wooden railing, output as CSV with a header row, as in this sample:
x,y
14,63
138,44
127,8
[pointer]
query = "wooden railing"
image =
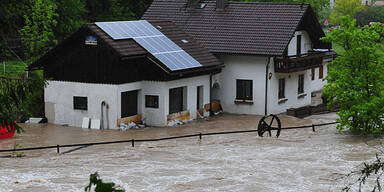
x,y
296,63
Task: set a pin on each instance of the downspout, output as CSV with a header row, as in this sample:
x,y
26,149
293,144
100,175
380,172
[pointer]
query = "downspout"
x,y
102,116
210,95
103,103
266,87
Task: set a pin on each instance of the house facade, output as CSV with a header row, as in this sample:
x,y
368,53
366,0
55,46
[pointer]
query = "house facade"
x,y
364,2
97,74
272,53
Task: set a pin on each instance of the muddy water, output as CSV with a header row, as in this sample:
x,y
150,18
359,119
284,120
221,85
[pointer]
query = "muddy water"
x,y
299,160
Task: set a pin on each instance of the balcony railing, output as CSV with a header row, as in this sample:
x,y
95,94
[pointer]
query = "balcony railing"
x,y
297,63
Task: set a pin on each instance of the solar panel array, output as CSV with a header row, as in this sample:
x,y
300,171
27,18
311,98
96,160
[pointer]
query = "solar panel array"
x,y
152,40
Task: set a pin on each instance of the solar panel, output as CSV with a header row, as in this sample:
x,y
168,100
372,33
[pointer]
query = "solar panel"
x,y
152,40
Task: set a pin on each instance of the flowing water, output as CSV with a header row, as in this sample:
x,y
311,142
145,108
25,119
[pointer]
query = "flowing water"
x,y
299,160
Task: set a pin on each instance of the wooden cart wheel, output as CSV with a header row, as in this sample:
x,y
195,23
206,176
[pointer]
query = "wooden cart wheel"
x,y
265,125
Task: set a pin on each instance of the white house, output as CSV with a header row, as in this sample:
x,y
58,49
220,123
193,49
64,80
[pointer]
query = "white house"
x,y
119,71
272,53
364,2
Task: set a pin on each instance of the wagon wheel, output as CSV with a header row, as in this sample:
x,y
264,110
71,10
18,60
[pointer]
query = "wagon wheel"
x,y
265,125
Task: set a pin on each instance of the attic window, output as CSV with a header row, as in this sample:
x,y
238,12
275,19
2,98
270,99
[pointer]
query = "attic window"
x,y
184,41
158,26
90,40
202,5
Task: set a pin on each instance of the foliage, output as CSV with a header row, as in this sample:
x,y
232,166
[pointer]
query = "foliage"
x,y
370,14
33,104
19,97
70,17
376,168
346,8
101,10
355,77
100,185
38,27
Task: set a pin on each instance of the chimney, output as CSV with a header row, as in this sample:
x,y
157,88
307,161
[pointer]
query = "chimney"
x,y
221,4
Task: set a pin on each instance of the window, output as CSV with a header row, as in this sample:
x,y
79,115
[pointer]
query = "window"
x,y
281,88
301,84
80,103
298,45
152,101
244,89
321,71
313,73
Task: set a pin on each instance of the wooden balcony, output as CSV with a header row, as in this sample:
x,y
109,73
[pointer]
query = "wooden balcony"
x,y
297,63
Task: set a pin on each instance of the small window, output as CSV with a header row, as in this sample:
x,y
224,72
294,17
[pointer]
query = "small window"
x,y
321,72
244,89
301,84
80,103
152,101
281,88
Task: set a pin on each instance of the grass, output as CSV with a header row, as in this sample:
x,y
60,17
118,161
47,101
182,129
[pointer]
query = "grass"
x,y
13,68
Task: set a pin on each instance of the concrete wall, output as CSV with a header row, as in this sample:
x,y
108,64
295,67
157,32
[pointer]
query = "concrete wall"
x,y
59,100
242,67
158,116
291,91
58,97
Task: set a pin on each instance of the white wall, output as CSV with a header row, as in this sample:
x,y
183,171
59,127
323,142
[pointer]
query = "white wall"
x,y
291,91
306,43
332,2
59,96
318,84
191,84
242,67
59,100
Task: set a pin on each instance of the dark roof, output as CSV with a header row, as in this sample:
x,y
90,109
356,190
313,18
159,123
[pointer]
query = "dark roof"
x,y
242,27
127,48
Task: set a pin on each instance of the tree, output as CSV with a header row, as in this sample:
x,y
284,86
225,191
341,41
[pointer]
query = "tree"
x,y
71,15
108,10
370,14
369,170
38,27
356,78
345,8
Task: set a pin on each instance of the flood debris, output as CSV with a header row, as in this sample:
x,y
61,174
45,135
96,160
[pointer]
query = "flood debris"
x,y
131,125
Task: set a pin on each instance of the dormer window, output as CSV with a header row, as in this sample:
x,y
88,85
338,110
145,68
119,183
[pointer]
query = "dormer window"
x,y
202,5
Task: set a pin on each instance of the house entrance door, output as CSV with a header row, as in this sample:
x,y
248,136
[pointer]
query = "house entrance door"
x,y
175,100
128,103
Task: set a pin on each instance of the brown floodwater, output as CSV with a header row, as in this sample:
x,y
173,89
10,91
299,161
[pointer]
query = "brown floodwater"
x,y
299,160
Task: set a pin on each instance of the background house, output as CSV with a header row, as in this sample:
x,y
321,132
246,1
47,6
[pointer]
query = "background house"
x,y
272,52
364,2
114,70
